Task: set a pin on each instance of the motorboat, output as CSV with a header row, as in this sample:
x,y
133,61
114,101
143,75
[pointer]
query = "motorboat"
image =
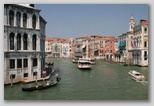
x,y
75,60
83,64
91,60
136,75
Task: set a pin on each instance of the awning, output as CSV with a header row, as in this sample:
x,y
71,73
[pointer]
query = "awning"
x,y
83,46
119,51
122,44
55,46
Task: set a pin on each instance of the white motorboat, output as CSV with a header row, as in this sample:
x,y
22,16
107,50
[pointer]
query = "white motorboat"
x,y
136,75
91,60
83,64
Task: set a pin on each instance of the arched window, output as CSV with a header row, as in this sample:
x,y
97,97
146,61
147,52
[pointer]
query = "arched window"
x,y
25,20
145,55
18,17
11,18
34,21
12,41
18,41
34,42
25,41
145,30
145,43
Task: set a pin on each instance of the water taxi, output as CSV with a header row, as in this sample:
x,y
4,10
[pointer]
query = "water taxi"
x,y
83,64
136,75
91,60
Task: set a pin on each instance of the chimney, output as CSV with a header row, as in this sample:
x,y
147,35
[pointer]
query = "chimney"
x,y
32,5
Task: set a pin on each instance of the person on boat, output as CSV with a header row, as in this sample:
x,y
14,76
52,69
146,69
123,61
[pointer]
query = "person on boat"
x,y
46,83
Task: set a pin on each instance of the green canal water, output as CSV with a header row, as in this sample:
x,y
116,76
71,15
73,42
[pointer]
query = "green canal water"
x,y
105,81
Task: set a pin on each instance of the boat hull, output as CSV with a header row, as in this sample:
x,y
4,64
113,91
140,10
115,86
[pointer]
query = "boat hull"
x,y
41,87
81,67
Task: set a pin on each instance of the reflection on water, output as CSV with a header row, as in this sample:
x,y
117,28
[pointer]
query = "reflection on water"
x,y
105,81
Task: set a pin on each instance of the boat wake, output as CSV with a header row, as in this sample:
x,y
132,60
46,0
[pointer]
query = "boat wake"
x,y
143,82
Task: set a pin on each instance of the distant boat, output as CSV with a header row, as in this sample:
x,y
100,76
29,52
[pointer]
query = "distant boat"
x,y
136,75
75,60
47,84
50,63
91,60
83,64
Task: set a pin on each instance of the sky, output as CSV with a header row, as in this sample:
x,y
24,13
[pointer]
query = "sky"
x,y
75,20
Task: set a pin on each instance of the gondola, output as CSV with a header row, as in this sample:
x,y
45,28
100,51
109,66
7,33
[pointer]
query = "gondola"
x,y
50,63
48,84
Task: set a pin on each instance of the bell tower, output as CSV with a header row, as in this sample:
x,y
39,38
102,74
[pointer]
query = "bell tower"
x,y
131,23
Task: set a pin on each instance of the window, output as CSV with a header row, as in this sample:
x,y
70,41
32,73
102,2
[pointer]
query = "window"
x,y
145,55
12,63
145,30
18,42
19,63
34,73
25,63
25,74
145,43
18,16
34,42
25,20
11,41
12,76
34,62
11,18
110,51
34,22
25,41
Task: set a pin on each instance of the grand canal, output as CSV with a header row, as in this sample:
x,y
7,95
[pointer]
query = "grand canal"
x,y
105,81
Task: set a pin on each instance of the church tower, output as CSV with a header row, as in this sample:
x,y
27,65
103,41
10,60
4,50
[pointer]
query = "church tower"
x,y
131,23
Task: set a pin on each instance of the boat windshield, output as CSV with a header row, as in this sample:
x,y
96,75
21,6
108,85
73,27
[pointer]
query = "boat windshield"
x,y
138,74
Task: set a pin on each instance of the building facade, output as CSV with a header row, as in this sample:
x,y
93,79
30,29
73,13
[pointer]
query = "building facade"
x,y
140,47
49,46
66,48
109,47
24,43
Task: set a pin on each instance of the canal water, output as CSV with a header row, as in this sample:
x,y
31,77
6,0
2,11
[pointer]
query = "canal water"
x,y
105,81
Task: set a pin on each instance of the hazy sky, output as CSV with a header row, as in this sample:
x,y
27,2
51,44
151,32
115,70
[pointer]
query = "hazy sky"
x,y
74,20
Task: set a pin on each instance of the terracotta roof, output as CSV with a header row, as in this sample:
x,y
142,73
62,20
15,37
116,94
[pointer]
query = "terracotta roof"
x,y
49,39
95,36
85,37
142,21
